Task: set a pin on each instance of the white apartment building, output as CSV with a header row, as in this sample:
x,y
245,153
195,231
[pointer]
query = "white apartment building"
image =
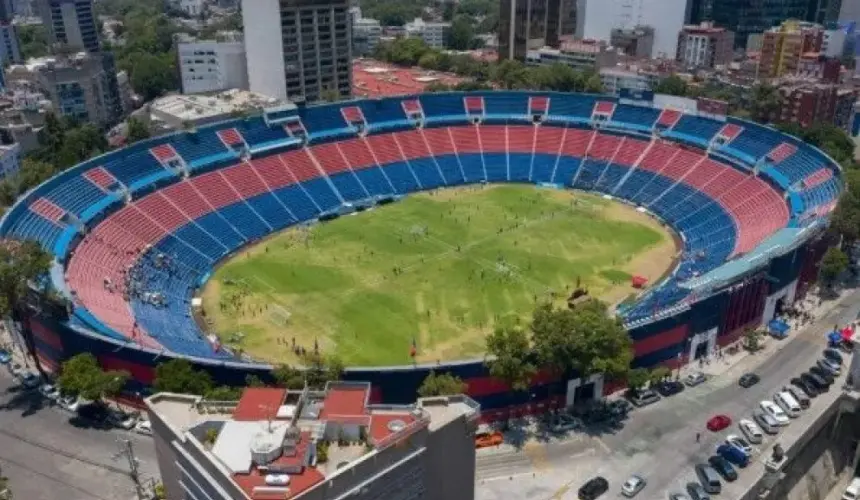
x,y
434,34
193,8
365,36
298,50
212,65
595,19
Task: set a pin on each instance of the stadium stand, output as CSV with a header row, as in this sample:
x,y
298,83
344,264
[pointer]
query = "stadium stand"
x,y
134,272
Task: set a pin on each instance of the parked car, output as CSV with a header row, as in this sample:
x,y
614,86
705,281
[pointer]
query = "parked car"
x,y
789,405
694,379
277,479
833,355
50,392
678,496
739,443
772,409
143,427
122,420
852,492
565,423
488,438
30,380
669,388
5,357
644,397
595,487
824,374
697,492
70,403
632,486
733,455
709,478
94,412
798,395
830,366
748,380
805,386
767,423
814,380
619,407
723,467
719,422
751,431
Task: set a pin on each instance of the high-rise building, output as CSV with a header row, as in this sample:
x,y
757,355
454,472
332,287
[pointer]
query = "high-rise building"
x,y
705,46
634,42
314,445
595,19
744,17
71,25
212,65
531,24
298,49
784,46
10,52
807,103
823,11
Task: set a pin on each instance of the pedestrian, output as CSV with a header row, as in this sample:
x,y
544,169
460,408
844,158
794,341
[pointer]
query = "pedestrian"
x,y
698,436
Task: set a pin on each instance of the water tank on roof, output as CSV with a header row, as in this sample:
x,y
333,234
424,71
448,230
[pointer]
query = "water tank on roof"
x,y
265,448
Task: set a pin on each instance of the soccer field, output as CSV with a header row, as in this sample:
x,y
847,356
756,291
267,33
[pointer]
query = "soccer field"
x,y
439,268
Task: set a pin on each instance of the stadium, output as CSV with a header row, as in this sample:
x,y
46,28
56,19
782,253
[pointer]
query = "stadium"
x,y
143,234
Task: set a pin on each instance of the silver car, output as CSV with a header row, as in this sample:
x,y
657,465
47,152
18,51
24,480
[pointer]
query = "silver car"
x,y
632,486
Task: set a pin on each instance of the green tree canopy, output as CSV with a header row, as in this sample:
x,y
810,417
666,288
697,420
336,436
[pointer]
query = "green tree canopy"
x,y
765,101
137,130
81,375
512,362
637,378
179,375
834,263
461,34
20,264
152,75
672,85
443,384
288,377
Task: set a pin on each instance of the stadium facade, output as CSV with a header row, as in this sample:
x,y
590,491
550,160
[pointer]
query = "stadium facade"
x,y
137,231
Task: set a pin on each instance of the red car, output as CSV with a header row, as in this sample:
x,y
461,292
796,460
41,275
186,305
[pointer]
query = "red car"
x,y
719,422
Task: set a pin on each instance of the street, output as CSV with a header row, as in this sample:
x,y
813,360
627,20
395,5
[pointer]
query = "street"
x,y
47,457
658,442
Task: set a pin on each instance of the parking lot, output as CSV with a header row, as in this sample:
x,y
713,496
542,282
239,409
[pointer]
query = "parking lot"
x,y
659,441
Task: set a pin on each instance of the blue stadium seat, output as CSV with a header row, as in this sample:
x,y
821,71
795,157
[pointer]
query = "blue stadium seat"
x,y
519,165
497,167
565,170
451,169
799,165
134,166
449,107
215,224
199,145
571,105
640,117
322,119
374,181
506,104
322,194
244,220
543,166
348,186
427,172
31,226
195,236
297,201
75,194
401,177
271,210
697,129
257,133
473,167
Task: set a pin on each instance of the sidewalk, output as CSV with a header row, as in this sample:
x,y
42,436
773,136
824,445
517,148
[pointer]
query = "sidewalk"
x,y
715,365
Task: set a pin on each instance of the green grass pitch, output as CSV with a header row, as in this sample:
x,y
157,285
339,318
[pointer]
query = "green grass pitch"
x,y
441,268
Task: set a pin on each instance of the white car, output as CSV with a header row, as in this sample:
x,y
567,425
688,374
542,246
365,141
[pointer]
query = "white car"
x,y
632,486
277,479
143,427
751,430
50,392
772,409
565,423
123,420
739,443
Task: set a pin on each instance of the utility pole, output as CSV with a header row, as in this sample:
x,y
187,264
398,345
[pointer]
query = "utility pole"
x,y
126,449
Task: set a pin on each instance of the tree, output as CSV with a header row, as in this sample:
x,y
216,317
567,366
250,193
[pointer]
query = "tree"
x,y
672,85
593,84
512,357
21,263
752,340
512,74
585,339
32,40
322,369
637,379
765,101
82,376
659,374
224,393
137,130
253,381
322,452
834,263
5,494
152,74
288,377
443,384
179,375
461,33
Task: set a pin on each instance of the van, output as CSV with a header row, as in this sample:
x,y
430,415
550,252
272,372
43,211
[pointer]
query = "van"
x,y
787,402
852,492
709,478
